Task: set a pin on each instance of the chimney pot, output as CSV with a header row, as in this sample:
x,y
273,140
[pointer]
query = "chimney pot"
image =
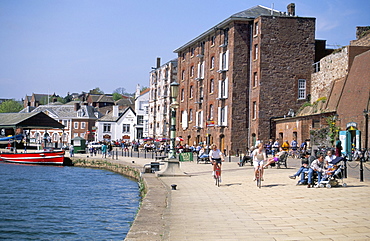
x,y
291,9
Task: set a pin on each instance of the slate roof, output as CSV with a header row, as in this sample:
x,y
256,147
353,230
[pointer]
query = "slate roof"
x,y
248,15
28,120
67,111
109,116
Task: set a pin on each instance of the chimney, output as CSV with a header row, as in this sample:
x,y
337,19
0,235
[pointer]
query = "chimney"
x,y
291,9
137,93
76,106
115,111
158,62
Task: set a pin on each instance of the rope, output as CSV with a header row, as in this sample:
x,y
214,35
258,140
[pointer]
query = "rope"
x,y
348,165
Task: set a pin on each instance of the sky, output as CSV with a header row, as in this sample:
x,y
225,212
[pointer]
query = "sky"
x,y
71,46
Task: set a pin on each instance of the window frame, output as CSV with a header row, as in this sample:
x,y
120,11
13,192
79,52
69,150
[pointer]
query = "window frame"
x,y
302,86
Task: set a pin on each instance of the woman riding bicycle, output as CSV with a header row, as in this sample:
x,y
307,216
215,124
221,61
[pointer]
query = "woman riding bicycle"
x,y
258,155
215,157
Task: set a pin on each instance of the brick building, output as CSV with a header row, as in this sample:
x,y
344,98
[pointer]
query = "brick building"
x,y
253,66
340,88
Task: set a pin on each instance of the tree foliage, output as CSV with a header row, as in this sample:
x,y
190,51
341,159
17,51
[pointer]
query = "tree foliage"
x,y
116,96
10,106
96,91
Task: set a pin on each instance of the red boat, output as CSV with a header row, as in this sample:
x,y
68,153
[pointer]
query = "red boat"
x,y
43,157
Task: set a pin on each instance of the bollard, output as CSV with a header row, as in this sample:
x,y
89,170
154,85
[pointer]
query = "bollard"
x,y
173,186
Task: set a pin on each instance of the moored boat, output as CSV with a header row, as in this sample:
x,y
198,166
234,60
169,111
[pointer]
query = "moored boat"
x,y
43,157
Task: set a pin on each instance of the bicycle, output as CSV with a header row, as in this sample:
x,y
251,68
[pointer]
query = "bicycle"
x,y
218,175
259,177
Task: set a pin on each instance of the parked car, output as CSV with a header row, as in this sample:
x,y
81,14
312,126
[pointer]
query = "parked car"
x,y
96,145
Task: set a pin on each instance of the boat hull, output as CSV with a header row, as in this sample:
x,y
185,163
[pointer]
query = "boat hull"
x,y
45,158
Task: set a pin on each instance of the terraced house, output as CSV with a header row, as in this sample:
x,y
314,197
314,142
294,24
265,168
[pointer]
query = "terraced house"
x,y
234,77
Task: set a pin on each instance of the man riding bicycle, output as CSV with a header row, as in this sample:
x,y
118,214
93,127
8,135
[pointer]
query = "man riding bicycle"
x,y
216,157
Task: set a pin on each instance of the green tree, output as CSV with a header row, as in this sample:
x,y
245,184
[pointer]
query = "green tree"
x,y
96,91
10,106
116,96
333,128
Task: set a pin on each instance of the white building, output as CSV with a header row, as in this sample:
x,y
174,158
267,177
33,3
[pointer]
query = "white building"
x,y
159,100
142,113
116,126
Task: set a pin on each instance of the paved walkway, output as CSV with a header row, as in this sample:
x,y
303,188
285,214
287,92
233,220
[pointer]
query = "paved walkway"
x,y
238,210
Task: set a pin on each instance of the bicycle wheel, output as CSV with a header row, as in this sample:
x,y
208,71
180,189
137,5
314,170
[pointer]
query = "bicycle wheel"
x,y
259,179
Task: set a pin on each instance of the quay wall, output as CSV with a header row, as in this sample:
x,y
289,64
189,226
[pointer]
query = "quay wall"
x,y
149,222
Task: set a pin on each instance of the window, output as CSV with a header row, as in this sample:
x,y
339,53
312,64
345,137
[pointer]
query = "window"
x,y
256,28
140,119
315,124
210,117
201,94
211,86
255,79
106,127
142,104
65,123
183,56
191,92
192,52
83,125
202,47
212,66
199,119
224,61
254,113
184,119
316,67
191,115
213,40
256,51
226,36
191,71
75,125
222,116
301,89
182,94
201,70
223,89
183,75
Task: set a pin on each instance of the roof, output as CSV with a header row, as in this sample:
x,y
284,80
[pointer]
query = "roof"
x,y
246,15
110,118
67,111
28,121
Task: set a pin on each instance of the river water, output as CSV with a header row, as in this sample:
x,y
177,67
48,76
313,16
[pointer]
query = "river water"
x,y
65,203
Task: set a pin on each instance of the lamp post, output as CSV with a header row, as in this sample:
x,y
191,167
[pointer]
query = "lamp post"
x,y
366,114
174,88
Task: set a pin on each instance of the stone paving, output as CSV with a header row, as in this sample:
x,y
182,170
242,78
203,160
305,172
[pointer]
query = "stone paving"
x,y
239,210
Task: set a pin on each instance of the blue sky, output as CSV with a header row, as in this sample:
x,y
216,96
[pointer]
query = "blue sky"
x,y
61,46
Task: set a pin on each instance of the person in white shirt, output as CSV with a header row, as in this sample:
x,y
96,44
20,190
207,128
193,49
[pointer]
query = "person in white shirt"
x,y
259,156
215,157
329,157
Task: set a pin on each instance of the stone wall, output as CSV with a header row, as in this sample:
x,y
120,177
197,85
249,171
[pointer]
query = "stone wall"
x,y
332,68
363,37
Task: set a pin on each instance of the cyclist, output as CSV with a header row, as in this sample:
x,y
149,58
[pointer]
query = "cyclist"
x,y
259,156
215,157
